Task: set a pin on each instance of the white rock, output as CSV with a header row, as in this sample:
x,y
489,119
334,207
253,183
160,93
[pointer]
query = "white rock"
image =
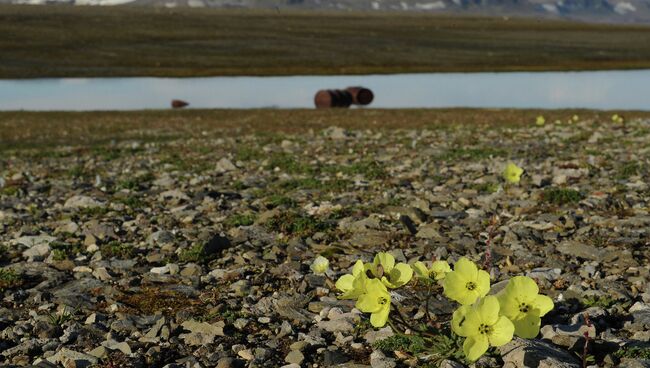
x,y
160,270
225,165
81,201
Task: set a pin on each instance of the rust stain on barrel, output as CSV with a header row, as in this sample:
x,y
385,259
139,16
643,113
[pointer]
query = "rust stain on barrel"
x,y
332,98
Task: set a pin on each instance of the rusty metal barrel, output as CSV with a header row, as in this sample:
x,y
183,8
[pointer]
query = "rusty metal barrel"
x,y
332,98
361,95
343,97
179,104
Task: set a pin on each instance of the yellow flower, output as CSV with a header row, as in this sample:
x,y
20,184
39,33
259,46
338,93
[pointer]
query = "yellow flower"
x,y
482,326
466,282
540,120
512,173
320,265
353,285
392,275
376,301
438,270
615,118
575,118
522,304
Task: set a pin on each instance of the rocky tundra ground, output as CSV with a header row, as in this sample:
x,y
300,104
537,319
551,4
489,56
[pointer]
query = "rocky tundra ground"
x,y
195,250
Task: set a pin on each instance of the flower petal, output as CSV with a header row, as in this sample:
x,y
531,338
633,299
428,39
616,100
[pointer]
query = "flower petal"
x,y
386,260
344,283
401,274
458,320
509,306
501,332
420,270
368,303
378,319
488,310
527,327
524,289
466,268
482,283
543,303
454,287
358,268
475,346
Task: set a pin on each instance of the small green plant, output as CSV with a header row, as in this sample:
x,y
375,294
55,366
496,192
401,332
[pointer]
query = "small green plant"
x,y
635,352
192,254
488,188
93,211
132,202
307,183
413,344
277,200
77,171
371,170
10,190
628,170
240,219
238,185
248,154
118,250
62,251
295,224
58,319
561,196
288,163
9,279
603,301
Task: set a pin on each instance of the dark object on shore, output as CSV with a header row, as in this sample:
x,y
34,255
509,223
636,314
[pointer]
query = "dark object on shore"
x,y
179,104
360,95
332,98
343,97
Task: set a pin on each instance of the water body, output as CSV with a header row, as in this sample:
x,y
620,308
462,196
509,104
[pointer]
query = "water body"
x,y
595,90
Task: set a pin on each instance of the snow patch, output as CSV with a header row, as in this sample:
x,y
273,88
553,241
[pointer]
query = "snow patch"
x,y
551,8
102,2
195,3
430,6
624,8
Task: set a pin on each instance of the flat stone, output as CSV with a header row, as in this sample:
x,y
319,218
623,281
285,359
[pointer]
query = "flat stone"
x,y
81,201
379,360
581,250
294,357
73,359
201,333
523,353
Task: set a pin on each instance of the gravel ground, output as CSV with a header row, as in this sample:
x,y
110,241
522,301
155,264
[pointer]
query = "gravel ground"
x,y
195,251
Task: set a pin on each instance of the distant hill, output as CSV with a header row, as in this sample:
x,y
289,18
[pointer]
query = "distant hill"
x,y
607,11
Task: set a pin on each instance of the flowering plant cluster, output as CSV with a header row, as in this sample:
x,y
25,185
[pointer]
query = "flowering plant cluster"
x,y
483,320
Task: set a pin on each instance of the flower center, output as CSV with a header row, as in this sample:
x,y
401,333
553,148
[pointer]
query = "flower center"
x,y
484,329
471,285
524,308
382,300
